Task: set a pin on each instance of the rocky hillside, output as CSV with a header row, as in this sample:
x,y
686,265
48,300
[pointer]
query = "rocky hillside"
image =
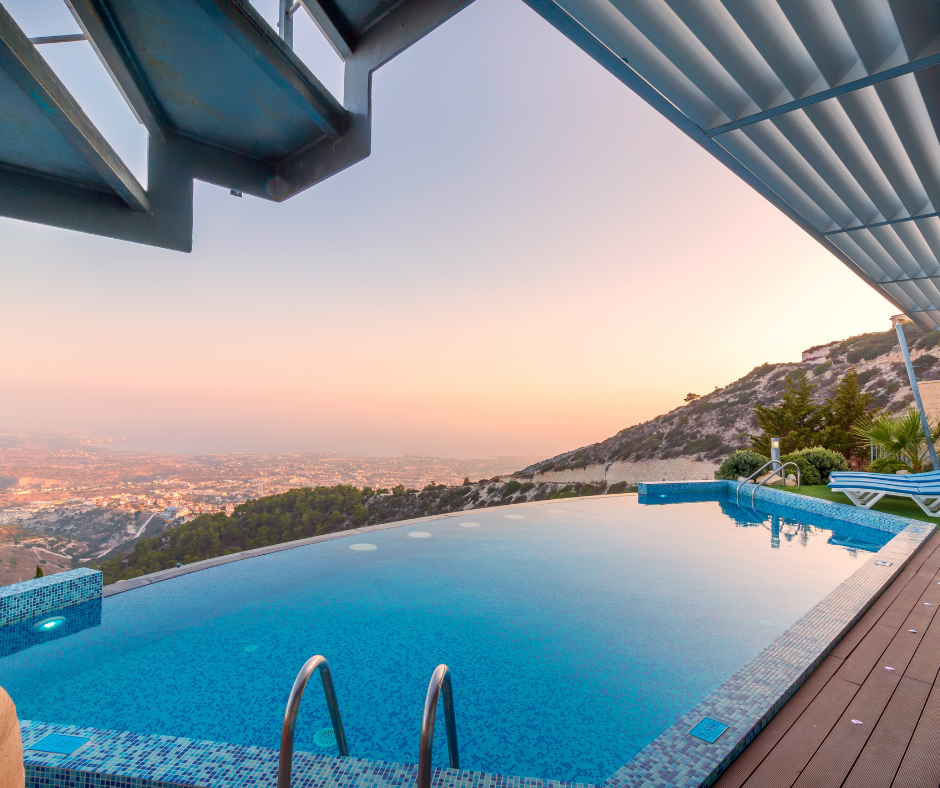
x,y
690,441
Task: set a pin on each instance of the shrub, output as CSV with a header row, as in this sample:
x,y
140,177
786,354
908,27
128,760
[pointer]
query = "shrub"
x,y
888,465
741,463
512,486
808,473
824,460
822,369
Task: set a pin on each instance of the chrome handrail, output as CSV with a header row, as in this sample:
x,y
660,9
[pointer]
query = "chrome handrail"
x,y
738,491
440,677
286,761
776,471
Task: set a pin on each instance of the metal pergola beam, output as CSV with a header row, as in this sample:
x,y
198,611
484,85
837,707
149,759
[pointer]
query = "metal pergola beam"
x,y
570,27
33,198
825,95
327,18
100,29
20,60
883,224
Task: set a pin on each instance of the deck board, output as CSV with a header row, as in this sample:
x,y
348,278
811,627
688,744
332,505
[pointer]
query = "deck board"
x,y
812,742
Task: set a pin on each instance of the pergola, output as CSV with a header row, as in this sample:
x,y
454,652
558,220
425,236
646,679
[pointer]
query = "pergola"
x,y
828,108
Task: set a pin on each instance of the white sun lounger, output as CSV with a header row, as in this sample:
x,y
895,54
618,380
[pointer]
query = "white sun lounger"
x,y
866,489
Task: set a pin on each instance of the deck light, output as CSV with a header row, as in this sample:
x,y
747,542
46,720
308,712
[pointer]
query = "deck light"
x,y
48,624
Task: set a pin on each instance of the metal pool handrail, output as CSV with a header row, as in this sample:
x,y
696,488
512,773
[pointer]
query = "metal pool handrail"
x,y
776,470
286,760
440,677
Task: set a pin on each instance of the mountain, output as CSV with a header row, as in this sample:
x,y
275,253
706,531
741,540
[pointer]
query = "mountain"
x,y
690,441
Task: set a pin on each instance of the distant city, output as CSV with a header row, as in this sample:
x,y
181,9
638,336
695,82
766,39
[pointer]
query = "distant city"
x,y
67,498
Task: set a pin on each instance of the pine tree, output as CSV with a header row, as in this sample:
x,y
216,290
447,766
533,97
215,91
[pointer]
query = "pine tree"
x,y
845,408
797,420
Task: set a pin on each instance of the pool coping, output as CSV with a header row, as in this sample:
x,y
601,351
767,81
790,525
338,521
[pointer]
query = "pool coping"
x,y
745,702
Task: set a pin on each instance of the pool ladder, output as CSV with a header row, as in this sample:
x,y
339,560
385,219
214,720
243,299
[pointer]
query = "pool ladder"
x,y
773,472
440,679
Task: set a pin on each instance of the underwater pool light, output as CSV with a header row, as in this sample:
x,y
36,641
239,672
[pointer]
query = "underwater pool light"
x,y
48,624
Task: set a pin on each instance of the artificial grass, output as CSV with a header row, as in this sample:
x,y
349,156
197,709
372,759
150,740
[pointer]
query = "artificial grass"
x,y
900,507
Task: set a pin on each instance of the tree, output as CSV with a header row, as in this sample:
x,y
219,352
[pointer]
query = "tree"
x,y
690,397
846,408
900,436
38,572
13,561
797,420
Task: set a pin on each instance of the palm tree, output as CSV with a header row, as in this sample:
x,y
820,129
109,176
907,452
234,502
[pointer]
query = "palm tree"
x,y
900,436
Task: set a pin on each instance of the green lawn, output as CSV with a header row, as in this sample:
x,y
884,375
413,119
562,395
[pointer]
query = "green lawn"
x,y
902,507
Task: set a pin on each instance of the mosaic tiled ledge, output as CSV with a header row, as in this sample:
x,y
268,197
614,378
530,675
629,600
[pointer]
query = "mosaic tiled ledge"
x,y
32,598
113,759
748,700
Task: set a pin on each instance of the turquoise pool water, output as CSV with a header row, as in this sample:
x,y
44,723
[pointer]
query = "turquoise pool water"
x,y
576,632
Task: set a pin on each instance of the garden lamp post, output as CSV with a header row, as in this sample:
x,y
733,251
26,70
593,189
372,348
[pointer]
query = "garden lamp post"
x,y
775,453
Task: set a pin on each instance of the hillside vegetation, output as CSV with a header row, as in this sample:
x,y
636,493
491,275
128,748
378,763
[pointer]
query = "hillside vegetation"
x,y
306,512
712,426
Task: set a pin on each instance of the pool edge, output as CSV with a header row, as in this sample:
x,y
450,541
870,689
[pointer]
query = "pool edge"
x,y
751,697
673,759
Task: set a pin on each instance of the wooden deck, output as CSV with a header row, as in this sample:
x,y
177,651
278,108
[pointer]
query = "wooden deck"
x,y
869,716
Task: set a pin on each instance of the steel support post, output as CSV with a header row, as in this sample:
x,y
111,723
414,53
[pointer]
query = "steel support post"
x,y
920,405
285,21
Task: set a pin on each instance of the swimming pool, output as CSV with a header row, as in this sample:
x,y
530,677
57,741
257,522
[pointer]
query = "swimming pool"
x,y
576,631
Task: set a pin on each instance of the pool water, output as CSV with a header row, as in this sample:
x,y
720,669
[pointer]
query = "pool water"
x,y
576,631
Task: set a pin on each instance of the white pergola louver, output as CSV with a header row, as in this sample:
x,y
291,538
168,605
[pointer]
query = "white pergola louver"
x,y
829,108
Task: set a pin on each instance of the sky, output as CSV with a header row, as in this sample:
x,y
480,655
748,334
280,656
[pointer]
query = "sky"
x,y
531,259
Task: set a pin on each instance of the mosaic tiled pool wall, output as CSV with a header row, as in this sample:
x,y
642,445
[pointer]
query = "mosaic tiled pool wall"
x,y
24,634
726,720
746,702
156,761
22,601
726,490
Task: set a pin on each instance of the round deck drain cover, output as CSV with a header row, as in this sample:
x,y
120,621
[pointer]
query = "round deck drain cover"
x,y
325,738
419,534
469,525
515,517
362,546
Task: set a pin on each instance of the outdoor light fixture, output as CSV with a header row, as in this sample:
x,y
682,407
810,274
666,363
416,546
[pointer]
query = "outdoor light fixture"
x,y
775,452
48,624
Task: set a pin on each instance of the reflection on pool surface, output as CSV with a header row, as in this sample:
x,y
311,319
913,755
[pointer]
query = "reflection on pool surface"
x,y
575,631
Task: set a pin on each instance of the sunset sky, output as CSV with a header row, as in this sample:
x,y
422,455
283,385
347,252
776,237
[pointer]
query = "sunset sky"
x,y
531,259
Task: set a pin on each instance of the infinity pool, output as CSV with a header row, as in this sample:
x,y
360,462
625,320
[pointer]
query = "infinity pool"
x,y
576,631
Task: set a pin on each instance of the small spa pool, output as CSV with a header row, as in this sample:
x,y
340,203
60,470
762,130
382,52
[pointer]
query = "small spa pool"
x,y
575,630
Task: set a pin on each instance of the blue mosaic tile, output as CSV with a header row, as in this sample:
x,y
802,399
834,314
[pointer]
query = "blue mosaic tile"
x,y
113,758
33,598
744,703
25,634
